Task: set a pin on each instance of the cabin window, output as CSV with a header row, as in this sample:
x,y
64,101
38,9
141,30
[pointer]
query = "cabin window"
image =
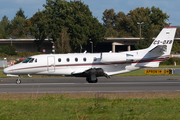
x,y
84,59
76,59
36,60
129,55
67,59
59,60
31,60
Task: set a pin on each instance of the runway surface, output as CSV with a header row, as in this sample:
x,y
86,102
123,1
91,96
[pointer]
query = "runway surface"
x,y
79,85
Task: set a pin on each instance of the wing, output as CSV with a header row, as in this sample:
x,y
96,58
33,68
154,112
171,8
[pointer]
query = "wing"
x,y
92,71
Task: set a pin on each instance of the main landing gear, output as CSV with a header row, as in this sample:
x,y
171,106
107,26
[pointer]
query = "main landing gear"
x,y
89,80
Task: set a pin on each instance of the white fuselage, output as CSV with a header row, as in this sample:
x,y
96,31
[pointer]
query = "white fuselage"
x,y
68,64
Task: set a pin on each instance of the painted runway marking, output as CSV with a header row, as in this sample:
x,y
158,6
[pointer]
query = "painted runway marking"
x,y
112,83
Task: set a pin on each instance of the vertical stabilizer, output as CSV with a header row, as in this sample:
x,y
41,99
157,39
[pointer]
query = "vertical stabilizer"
x,y
164,40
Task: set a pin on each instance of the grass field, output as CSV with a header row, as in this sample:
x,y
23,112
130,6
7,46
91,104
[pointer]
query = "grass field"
x,y
91,106
97,106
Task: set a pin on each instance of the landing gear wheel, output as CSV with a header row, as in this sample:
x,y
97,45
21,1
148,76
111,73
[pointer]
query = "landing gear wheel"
x,y
18,81
90,81
95,81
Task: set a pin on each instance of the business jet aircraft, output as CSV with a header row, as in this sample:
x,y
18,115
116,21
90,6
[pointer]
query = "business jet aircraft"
x,y
94,65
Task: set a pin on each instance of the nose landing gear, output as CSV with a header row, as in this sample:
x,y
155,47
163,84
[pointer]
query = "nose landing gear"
x,y
18,81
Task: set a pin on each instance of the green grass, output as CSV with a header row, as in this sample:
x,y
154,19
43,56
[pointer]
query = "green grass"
x,y
2,75
169,66
52,107
133,73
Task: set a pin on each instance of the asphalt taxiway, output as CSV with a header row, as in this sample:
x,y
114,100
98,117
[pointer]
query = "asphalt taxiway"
x,y
79,85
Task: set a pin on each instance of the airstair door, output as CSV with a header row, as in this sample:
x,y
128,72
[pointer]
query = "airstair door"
x,y
51,64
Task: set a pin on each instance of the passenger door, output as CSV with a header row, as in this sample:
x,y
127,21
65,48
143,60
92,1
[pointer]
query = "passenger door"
x,y
51,64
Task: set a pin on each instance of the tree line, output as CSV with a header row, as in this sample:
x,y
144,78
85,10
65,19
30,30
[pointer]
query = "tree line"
x,y
71,25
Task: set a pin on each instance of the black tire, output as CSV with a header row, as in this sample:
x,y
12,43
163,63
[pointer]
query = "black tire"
x,y
88,79
18,81
95,81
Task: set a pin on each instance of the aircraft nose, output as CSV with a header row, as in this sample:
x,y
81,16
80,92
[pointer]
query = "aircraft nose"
x,y
5,71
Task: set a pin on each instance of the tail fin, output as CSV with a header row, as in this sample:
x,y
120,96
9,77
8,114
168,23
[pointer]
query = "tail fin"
x,y
164,40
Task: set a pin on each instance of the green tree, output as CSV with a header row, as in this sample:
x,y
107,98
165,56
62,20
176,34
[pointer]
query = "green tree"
x,y
110,18
38,28
62,43
126,25
2,32
147,38
12,50
178,32
4,27
17,25
20,13
75,16
176,47
27,27
97,31
158,18
152,23
8,49
122,24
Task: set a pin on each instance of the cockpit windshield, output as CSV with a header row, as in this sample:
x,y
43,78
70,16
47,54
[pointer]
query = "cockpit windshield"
x,y
27,60
30,60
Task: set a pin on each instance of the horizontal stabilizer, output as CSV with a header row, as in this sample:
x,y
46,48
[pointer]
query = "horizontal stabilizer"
x,y
150,64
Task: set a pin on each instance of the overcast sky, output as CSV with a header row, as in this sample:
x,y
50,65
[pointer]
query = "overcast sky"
x,y
30,7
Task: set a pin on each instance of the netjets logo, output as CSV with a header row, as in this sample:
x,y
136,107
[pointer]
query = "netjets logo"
x,y
163,42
